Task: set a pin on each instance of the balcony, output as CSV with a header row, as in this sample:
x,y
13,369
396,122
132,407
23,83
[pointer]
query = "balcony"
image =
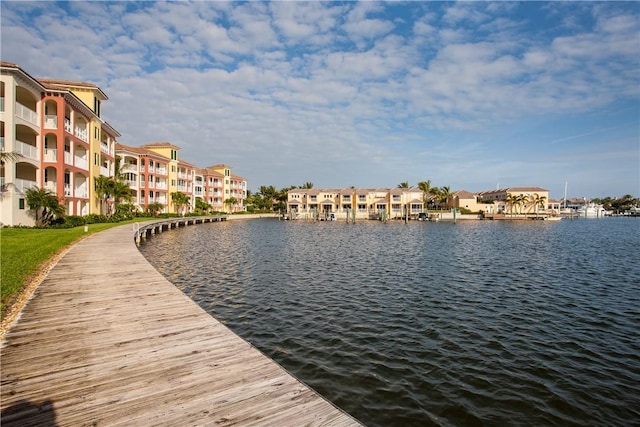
x,y
104,148
27,114
51,186
68,158
81,163
50,122
81,133
132,183
67,190
23,185
50,154
104,171
81,191
161,185
161,171
67,125
26,150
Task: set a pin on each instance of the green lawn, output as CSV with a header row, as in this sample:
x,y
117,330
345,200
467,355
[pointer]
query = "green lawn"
x,y
24,250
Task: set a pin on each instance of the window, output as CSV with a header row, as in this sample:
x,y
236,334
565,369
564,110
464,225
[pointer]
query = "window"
x,y
21,204
173,168
174,155
96,159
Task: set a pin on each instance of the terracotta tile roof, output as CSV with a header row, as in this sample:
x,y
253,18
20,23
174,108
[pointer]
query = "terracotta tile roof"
x,y
160,145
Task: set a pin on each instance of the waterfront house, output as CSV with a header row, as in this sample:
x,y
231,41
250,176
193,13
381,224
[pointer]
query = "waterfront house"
x,y
55,128
359,203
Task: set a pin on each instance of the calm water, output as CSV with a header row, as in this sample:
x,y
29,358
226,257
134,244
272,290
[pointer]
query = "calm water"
x,y
432,324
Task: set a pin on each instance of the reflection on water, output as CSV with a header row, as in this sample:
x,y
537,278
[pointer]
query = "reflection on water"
x,y
474,323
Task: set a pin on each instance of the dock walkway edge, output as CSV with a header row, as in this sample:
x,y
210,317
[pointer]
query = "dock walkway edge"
x,y
107,340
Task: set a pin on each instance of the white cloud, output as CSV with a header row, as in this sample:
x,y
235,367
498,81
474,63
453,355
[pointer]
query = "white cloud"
x,y
344,93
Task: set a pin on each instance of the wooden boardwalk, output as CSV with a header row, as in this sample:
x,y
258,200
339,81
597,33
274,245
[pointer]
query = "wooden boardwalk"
x,y
106,340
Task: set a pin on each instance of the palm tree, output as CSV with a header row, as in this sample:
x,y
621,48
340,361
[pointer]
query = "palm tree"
x,y
268,195
180,200
404,184
425,187
538,201
444,194
231,201
103,190
44,204
511,201
307,185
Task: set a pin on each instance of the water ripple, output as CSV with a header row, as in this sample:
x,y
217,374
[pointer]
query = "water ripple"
x,y
420,324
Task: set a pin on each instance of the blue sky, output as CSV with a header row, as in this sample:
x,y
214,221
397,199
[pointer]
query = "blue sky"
x,y
470,95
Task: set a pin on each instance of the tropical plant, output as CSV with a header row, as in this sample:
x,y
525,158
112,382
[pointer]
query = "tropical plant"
x,y
44,205
538,201
180,200
155,208
404,184
444,194
307,185
231,201
103,191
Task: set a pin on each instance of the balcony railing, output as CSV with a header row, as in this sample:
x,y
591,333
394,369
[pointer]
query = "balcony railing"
x,y
28,151
27,114
23,185
67,125
81,192
51,186
161,171
81,163
104,148
104,171
50,154
132,183
50,122
67,190
130,168
161,185
81,133
68,158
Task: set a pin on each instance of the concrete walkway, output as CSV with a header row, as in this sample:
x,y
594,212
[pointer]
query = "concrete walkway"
x,y
106,340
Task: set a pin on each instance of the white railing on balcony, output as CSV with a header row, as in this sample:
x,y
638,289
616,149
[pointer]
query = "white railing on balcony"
x,y
182,175
161,185
81,133
161,171
81,191
129,168
67,190
67,125
50,154
23,185
182,188
50,122
28,151
51,186
27,114
81,163
150,184
198,192
104,148
68,159
132,183
104,171
161,199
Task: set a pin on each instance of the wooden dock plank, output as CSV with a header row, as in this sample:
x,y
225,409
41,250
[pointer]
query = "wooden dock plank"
x,y
106,340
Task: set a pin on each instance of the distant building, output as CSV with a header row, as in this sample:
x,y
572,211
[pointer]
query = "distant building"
x,y
359,203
